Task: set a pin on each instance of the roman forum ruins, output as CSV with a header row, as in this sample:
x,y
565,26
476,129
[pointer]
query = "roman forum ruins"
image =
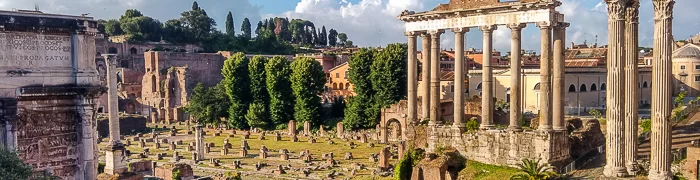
x,y
460,15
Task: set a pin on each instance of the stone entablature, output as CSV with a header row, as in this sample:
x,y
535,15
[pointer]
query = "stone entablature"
x,y
470,4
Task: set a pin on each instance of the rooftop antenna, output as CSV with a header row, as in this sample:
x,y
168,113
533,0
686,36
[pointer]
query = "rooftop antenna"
x,y
596,39
36,7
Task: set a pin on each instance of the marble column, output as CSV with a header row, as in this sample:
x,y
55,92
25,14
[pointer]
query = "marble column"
x,y
425,76
661,104
435,77
631,86
459,77
115,163
412,78
558,97
199,142
545,77
515,78
487,78
614,140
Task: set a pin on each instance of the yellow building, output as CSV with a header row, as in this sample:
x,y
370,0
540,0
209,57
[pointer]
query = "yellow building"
x,y
686,70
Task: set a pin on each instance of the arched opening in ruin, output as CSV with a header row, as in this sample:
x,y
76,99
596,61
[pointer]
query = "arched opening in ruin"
x,y
153,83
112,50
594,87
645,85
572,88
393,130
133,50
602,86
583,88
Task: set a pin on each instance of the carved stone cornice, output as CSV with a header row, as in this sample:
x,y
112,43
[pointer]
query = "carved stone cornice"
x,y
516,26
663,9
616,9
531,5
460,30
488,28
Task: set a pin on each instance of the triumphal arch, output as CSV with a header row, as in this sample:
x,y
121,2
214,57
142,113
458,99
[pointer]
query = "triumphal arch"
x,y
549,142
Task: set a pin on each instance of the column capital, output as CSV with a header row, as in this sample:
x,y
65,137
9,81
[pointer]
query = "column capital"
x,y
663,9
436,33
413,33
460,30
616,9
517,26
488,28
545,24
562,25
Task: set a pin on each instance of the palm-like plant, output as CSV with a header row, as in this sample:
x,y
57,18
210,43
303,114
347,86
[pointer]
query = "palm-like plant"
x,y
533,170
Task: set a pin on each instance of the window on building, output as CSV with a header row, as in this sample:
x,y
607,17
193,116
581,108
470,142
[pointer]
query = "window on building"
x,y
645,85
602,86
133,50
341,86
572,88
697,78
346,75
337,75
594,87
697,67
583,88
682,66
478,87
335,86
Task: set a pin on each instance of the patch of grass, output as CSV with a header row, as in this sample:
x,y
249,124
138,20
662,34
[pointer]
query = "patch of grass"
x,y
480,171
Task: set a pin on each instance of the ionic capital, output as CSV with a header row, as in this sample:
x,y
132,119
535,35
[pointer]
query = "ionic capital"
x,y
488,28
562,25
436,33
413,33
663,9
460,30
516,26
544,24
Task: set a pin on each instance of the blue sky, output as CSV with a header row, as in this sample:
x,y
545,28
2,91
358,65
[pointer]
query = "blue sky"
x,y
373,22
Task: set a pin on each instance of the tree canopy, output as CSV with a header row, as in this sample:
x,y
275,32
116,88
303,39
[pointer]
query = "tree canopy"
x,y
237,83
308,81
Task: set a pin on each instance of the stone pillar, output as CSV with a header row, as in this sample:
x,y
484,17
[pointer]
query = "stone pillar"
x,y
545,77
614,140
88,166
631,87
199,142
425,76
515,78
435,108
487,79
661,91
115,162
412,78
558,98
459,78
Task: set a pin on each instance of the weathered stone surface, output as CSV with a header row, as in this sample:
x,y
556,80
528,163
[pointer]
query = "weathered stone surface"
x,y
126,124
166,171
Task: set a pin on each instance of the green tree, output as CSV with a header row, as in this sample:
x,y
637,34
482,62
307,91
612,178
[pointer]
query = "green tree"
x,y
389,74
324,36
332,37
258,89
679,99
343,39
230,29
237,83
208,105
142,28
195,6
198,22
270,25
359,112
130,13
113,28
245,28
259,27
174,31
308,81
257,116
280,91
533,170
12,167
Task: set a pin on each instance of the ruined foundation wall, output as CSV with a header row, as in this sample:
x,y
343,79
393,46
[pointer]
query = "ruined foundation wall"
x,y
502,147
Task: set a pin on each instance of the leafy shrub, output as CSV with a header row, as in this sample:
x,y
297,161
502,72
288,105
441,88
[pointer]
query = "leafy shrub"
x,y
472,124
645,125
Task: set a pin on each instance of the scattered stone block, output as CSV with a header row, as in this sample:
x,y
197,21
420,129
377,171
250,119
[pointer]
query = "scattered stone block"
x,y
243,153
278,137
384,157
292,128
172,146
307,128
348,156
279,170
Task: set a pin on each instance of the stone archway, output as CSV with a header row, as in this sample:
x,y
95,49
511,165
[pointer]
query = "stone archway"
x,y
394,130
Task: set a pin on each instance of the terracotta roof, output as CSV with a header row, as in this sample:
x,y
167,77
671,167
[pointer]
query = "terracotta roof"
x,y
338,66
586,53
444,76
581,63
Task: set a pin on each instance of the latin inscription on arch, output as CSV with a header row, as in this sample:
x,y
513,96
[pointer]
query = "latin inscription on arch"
x,y
32,50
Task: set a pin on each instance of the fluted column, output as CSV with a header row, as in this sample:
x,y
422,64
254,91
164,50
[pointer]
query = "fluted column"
x,y
615,153
631,86
487,79
115,162
412,78
546,77
515,79
425,76
459,77
435,76
558,74
661,91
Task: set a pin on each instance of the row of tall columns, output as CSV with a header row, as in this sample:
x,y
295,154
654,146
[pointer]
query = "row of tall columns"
x,y
552,67
660,167
614,141
631,94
